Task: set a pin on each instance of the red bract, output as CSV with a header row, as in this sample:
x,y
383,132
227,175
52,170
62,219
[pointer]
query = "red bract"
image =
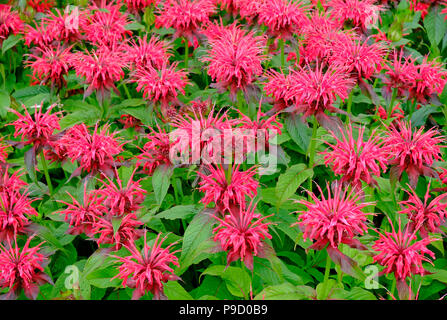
x,y
100,69
15,208
161,85
41,5
152,53
10,22
334,219
146,270
362,59
315,90
81,216
401,253
38,129
412,151
427,216
94,152
354,159
227,189
107,25
361,13
235,59
117,231
242,235
50,66
186,17
155,152
22,269
121,199
282,17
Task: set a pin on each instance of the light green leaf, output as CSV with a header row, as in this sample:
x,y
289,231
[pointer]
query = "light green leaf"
x,y
236,279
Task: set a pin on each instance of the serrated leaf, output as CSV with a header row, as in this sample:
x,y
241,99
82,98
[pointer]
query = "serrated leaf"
x,y
161,180
289,181
299,132
179,212
10,42
435,25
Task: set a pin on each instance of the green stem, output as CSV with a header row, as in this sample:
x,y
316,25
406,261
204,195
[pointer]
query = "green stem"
x,y
412,108
393,288
393,98
327,271
312,148
47,175
283,60
186,53
126,90
349,105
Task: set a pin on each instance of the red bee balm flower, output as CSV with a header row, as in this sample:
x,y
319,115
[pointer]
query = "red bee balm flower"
x,y
155,152
361,13
152,53
121,199
235,59
101,69
354,159
22,269
401,254
51,66
82,216
41,5
139,5
424,216
227,192
36,130
282,17
186,17
93,151
147,270
241,235
15,208
413,151
10,22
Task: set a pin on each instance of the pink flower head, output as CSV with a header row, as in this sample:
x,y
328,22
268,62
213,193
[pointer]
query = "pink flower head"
x,y
362,59
430,80
413,151
249,10
3,153
333,220
94,152
400,74
427,216
156,151
227,190
107,25
146,270
315,90
161,85
396,113
282,17
131,122
10,22
186,17
15,208
41,36
122,199
67,26
41,5
278,86
50,66
11,183
401,254
361,13
231,6
153,53
100,69
137,6
81,216
117,231
22,269
235,59
242,235
354,159
36,130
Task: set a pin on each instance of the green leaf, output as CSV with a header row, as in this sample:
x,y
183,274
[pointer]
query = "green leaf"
x,y
22,94
358,293
286,291
299,132
134,26
420,116
5,102
116,223
174,291
236,279
435,25
290,180
197,240
179,212
161,180
102,278
10,42
82,113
